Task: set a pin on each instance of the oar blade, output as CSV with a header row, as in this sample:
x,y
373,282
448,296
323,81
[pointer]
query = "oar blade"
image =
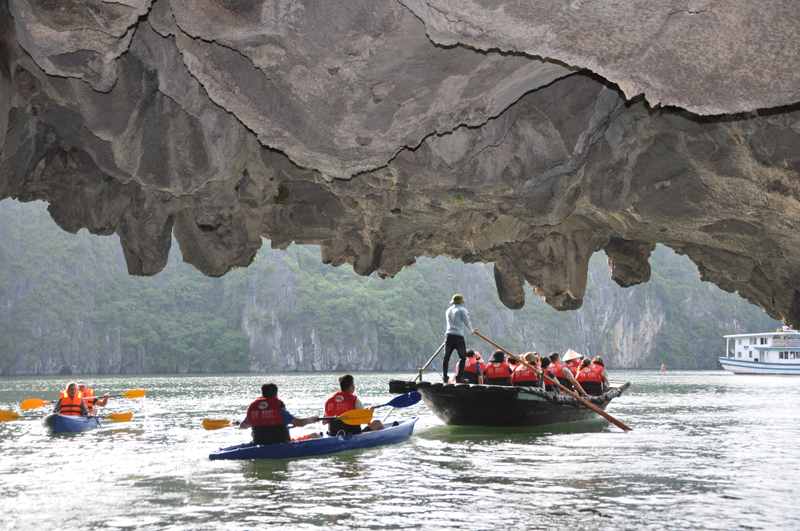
x,y
8,416
355,417
210,424
32,403
134,393
406,400
119,417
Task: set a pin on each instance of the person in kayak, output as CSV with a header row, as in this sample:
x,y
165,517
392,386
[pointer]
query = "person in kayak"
x,y
71,402
268,418
342,401
88,397
457,323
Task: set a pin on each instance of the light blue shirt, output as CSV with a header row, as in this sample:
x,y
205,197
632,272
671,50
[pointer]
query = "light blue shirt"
x,y
457,320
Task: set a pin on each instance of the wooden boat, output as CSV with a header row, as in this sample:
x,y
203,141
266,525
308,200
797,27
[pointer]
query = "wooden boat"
x,y
57,423
496,405
765,353
393,434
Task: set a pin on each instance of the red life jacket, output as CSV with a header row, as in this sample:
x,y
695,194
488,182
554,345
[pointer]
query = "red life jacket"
x,y
87,397
265,412
497,370
471,365
591,379
524,374
71,406
338,403
573,366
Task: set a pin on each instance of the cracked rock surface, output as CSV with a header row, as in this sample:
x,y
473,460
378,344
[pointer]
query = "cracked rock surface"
x,y
515,133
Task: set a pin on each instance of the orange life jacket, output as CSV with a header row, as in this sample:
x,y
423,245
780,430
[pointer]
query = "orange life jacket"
x,y
265,412
71,406
87,397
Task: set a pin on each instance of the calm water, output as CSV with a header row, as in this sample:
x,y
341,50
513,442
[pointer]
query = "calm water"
x,y
709,450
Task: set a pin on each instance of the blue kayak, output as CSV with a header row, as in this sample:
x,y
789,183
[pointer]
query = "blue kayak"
x,y
56,423
326,445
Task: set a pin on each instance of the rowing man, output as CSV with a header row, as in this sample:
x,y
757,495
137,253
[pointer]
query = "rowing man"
x,y
346,400
88,397
269,419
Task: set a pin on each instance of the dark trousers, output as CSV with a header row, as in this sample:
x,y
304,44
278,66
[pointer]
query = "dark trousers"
x,y
457,343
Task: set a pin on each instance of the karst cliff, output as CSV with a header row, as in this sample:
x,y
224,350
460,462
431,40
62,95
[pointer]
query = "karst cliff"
x,y
527,134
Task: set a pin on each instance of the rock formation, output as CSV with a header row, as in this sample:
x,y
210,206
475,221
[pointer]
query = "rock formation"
x,y
528,135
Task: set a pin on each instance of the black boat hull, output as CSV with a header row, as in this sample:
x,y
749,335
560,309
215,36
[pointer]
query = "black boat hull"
x,y
494,405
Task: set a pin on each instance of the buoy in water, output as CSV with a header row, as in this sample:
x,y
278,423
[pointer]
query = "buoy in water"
x,y
663,369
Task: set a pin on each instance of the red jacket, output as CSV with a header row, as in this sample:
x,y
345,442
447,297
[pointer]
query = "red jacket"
x,y
338,403
524,374
497,370
265,412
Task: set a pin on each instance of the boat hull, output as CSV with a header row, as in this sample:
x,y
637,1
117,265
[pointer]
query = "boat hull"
x,y
502,406
56,423
323,446
738,366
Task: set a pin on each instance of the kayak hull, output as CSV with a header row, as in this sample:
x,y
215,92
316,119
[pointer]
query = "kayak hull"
x,y
323,446
56,423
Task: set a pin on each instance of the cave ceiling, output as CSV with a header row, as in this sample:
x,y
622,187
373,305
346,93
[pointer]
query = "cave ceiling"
x,y
526,134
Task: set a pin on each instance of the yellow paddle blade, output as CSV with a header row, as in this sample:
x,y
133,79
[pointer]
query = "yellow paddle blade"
x,y
217,424
134,393
119,417
32,403
356,416
8,416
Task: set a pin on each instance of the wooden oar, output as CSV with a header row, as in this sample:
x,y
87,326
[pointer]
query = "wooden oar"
x,y
35,403
353,417
556,383
8,416
422,369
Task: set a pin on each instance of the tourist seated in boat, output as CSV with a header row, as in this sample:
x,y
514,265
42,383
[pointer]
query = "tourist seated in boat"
x,y
269,420
71,402
342,401
564,373
88,396
590,377
524,376
473,371
550,388
481,362
497,370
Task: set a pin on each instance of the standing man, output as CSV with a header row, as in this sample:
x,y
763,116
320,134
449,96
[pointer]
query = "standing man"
x,y
457,323
268,418
88,397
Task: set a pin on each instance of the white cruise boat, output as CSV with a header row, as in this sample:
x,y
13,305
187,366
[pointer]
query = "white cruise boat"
x,y
768,353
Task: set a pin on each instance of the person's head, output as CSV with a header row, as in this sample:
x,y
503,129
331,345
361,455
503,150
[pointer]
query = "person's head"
x,y
512,361
457,299
597,360
497,357
585,363
82,386
470,353
478,356
545,362
71,389
346,381
570,356
554,357
532,358
269,389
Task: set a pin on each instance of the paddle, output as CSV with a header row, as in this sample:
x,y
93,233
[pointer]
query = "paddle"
x,y
35,403
556,383
408,399
353,417
8,416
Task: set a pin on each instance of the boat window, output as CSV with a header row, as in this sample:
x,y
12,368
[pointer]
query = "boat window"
x,y
740,341
740,354
751,354
763,340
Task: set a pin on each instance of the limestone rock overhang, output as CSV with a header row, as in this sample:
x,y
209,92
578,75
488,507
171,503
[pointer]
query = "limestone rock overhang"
x,y
530,135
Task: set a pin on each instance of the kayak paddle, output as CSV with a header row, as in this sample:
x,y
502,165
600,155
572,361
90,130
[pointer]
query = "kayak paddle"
x,y
35,403
406,400
8,416
353,417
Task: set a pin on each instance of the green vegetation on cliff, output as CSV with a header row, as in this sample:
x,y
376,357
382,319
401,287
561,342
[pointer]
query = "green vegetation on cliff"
x,y
68,303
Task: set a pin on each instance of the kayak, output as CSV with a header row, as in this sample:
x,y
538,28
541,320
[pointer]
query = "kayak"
x,y
326,445
57,423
